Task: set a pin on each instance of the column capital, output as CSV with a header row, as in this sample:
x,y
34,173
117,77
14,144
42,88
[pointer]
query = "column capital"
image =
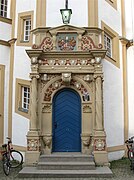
x,y
98,75
33,75
12,41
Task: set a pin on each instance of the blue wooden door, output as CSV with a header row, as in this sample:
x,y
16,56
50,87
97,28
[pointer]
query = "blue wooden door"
x,y
66,121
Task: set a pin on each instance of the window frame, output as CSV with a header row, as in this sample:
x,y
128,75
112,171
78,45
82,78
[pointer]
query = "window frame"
x,y
22,18
109,54
114,59
27,30
3,10
19,109
113,3
25,98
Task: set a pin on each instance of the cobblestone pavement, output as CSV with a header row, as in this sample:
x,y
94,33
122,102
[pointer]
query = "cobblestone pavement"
x,y
121,171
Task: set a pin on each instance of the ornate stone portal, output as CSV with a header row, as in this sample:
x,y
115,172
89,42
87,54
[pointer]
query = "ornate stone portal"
x,y
66,57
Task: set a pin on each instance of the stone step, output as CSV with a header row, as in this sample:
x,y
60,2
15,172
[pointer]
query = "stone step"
x,y
66,165
66,158
30,172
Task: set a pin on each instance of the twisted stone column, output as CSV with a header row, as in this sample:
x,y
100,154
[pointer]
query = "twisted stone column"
x,y
99,105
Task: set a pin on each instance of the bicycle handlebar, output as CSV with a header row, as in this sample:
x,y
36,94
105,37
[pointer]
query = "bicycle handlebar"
x,y
130,140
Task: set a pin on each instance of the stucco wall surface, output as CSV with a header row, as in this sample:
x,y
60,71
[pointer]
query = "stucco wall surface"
x,y
4,27
22,67
109,16
5,60
24,6
113,104
79,12
130,62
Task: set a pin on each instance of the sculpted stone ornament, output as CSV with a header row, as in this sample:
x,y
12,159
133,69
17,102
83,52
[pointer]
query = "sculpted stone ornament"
x,y
46,109
66,78
98,60
32,75
44,77
87,109
88,44
33,145
88,78
46,45
47,139
87,142
34,60
100,145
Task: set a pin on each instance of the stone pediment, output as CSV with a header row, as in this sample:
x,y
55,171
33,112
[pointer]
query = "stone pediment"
x,y
67,38
67,29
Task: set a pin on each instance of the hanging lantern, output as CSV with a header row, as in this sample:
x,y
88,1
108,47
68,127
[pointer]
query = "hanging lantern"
x,y
66,14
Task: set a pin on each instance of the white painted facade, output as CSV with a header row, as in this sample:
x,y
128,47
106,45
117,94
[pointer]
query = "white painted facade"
x,y
113,76
4,60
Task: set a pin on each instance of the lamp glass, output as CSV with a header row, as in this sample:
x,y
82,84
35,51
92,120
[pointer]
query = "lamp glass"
x,y
66,15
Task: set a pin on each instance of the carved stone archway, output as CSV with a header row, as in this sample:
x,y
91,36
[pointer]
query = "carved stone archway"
x,y
66,56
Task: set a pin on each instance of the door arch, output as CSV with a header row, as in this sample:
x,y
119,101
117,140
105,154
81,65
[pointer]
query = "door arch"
x,y
66,121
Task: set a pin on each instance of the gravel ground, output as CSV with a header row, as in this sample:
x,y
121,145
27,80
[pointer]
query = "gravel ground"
x,y
121,171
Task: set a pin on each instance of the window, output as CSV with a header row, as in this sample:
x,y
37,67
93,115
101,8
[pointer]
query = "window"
x,y
22,97
3,8
25,98
27,28
25,24
108,44
110,41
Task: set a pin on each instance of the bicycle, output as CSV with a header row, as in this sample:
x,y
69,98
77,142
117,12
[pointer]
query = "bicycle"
x,y
130,153
10,158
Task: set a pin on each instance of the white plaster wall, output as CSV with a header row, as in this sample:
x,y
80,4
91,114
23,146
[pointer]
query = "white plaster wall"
x,y
20,124
113,86
113,104
23,6
4,27
8,8
4,60
109,16
115,155
129,20
79,12
130,63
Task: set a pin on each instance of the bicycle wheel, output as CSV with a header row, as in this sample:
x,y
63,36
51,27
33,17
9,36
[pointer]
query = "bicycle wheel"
x,y
16,158
6,164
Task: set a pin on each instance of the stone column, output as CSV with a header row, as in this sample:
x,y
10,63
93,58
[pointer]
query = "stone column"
x,y
33,136
100,150
33,104
99,108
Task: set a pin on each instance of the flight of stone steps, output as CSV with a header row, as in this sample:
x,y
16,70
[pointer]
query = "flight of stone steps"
x,y
65,165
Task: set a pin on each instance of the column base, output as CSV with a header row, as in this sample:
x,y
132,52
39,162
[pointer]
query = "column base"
x,y
33,148
100,148
31,158
101,158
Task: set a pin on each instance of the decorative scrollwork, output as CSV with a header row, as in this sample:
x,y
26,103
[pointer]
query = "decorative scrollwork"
x,y
87,109
87,44
46,45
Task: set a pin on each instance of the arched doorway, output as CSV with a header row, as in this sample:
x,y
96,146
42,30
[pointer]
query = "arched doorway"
x,y
66,121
